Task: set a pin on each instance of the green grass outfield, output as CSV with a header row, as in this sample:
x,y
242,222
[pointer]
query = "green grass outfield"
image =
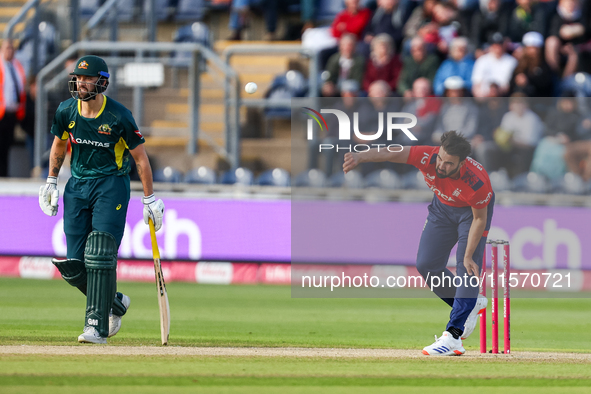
x,y
36,312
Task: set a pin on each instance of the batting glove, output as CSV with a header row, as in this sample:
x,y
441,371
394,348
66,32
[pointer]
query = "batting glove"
x,y
153,210
49,196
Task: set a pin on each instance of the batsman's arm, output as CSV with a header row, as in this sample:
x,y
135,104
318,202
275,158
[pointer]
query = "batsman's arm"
x,y
57,156
144,169
397,155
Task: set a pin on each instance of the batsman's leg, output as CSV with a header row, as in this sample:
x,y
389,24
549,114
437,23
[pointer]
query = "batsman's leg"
x,y
101,266
112,199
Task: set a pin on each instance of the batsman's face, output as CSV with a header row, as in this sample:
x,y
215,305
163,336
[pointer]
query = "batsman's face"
x,y
446,164
86,84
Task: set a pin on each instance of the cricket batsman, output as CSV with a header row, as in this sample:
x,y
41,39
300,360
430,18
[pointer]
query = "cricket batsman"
x,y
461,212
102,134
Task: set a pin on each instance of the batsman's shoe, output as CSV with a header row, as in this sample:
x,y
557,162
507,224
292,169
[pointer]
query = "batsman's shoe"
x,y
445,345
91,335
115,320
480,307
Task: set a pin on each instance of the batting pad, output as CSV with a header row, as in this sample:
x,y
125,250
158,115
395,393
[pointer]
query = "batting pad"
x,y
100,258
118,308
73,271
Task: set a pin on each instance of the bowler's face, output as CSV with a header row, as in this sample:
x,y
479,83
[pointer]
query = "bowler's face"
x,y
446,164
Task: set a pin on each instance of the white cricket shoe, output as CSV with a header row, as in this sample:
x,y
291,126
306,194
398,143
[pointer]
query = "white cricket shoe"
x,y
445,345
114,320
480,307
91,335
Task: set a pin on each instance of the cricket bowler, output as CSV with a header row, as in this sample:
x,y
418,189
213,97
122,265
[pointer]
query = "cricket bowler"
x,y
460,212
102,134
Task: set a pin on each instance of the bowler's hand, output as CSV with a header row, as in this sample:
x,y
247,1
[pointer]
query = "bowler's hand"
x,y
49,196
471,266
153,210
352,160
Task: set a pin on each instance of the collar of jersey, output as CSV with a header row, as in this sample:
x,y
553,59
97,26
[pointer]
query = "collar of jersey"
x,y
99,113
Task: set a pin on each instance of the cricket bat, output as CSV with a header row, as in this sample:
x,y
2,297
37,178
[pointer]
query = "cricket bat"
x,y
162,294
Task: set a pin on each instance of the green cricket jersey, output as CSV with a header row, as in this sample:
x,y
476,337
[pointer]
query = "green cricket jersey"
x,y
100,146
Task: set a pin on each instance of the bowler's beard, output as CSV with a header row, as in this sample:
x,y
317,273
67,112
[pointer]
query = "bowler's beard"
x,y
442,176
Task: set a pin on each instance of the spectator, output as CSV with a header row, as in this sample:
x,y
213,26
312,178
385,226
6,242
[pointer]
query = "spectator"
x,y
420,17
532,75
457,113
352,19
426,108
443,29
460,63
343,65
383,63
466,9
567,28
546,10
494,67
561,129
519,133
348,104
418,64
562,121
308,11
240,16
521,20
28,122
387,19
490,113
369,122
486,22
12,100
578,153
438,30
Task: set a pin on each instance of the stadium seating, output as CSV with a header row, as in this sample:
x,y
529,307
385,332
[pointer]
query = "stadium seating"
x,y
274,177
311,178
163,9
350,180
572,184
201,175
196,32
414,180
239,176
189,10
168,175
500,180
327,10
88,8
531,182
384,179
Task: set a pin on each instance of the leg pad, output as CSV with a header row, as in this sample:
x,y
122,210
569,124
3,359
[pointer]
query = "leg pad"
x,y
100,257
73,271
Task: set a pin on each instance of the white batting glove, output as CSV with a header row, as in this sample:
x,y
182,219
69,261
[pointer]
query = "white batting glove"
x,y
49,196
153,210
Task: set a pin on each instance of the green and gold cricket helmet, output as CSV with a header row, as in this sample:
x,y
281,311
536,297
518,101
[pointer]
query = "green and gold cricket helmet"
x,y
92,66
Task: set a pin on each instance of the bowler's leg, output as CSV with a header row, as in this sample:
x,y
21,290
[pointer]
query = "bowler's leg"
x,y
437,240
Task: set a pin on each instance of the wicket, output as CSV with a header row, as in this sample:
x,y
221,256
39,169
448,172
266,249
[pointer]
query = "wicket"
x,y
495,297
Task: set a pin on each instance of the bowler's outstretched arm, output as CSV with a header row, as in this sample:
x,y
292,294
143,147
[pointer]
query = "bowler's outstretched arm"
x,y
352,160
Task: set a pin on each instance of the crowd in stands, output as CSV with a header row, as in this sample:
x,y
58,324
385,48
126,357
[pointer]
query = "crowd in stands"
x,y
523,64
